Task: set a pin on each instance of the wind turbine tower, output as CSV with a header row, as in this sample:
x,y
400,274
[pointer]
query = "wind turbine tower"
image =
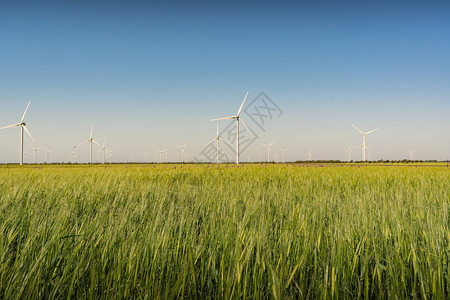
x,y
182,151
411,154
268,150
23,128
282,153
349,151
238,119
363,146
90,140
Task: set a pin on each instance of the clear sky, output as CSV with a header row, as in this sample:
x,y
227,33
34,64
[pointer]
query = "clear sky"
x,y
150,76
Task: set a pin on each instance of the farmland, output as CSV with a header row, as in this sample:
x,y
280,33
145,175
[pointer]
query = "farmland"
x,y
207,231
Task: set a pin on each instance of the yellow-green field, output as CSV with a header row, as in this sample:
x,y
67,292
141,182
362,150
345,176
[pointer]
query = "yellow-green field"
x,y
199,231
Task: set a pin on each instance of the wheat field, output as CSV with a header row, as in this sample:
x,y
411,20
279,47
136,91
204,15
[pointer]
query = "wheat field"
x,y
221,231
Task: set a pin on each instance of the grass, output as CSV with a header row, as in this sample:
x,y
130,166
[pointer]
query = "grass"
x,y
200,231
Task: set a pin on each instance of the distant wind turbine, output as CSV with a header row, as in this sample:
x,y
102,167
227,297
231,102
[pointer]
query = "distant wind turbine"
x,y
259,155
23,127
35,149
268,149
161,153
72,156
217,139
47,154
411,154
363,146
238,119
282,153
104,150
182,151
89,140
349,151
309,154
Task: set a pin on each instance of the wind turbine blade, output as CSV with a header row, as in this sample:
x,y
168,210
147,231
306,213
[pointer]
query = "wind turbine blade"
x,y
96,143
272,143
177,146
25,127
248,129
372,130
92,128
210,141
265,145
360,146
25,112
81,144
242,105
185,145
360,131
234,117
9,126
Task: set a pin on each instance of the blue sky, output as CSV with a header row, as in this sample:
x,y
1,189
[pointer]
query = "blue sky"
x,y
150,76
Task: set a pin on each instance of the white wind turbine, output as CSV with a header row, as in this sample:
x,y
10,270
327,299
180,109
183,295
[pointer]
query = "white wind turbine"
x,y
109,154
349,151
268,150
309,154
282,153
47,154
411,154
260,156
182,151
104,149
161,153
35,149
217,139
89,140
238,119
72,156
363,146
23,127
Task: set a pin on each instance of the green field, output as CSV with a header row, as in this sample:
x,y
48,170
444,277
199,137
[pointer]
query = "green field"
x,y
207,231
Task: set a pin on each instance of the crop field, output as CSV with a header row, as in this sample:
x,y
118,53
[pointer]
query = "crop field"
x,y
220,231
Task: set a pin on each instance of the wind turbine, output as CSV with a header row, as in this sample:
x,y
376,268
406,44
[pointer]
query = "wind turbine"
x,y
109,154
47,154
349,151
89,140
282,153
217,139
182,151
363,146
161,152
259,156
238,119
35,149
268,150
309,154
411,154
72,156
23,127
104,149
